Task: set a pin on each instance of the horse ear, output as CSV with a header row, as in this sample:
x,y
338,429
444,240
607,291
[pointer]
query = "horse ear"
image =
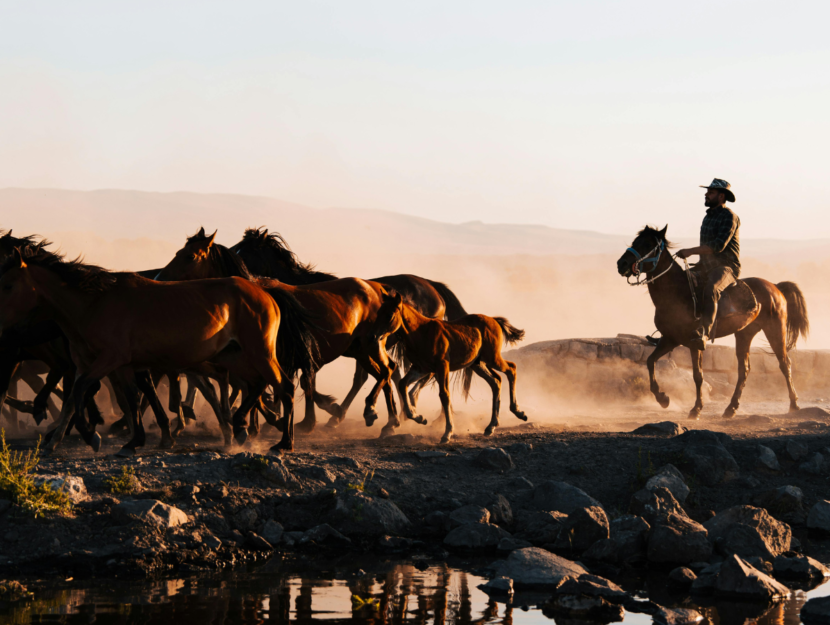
x,y
663,231
18,259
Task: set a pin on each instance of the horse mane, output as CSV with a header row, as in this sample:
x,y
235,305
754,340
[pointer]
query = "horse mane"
x,y
258,240
655,232
226,262
8,243
75,273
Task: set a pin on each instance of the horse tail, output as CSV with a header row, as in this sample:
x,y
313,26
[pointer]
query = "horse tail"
x,y
298,348
452,305
511,334
798,322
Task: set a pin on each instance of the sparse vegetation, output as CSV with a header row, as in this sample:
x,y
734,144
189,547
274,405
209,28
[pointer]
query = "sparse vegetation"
x,y
124,484
17,482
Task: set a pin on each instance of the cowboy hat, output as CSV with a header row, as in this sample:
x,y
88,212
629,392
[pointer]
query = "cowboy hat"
x,y
721,185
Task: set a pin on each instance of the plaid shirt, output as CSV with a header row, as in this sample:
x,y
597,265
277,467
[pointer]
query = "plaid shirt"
x,y
719,231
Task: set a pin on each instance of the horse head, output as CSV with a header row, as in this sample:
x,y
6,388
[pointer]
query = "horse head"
x,y
644,253
192,262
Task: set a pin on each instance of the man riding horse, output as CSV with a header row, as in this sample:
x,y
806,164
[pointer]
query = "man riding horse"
x,y
719,251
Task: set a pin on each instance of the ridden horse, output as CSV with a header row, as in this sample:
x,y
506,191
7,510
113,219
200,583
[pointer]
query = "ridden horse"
x,y
472,343
342,311
122,323
267,254
780,313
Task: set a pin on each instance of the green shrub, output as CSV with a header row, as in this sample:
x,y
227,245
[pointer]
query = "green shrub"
x,y
18,484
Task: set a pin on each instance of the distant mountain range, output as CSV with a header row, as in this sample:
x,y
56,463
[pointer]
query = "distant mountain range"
x,y
164,219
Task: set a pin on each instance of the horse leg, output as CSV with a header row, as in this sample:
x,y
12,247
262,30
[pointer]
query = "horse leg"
x,y
664,346
443,379
308,384
146,386
359,379
412,377
286,397
127,382
777,338
494,382
743,340
697,374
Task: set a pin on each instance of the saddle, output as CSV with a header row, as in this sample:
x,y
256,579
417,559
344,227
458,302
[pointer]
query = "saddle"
x,y
737,300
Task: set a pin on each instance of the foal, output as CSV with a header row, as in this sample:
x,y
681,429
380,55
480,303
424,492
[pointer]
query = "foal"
x,y
472,343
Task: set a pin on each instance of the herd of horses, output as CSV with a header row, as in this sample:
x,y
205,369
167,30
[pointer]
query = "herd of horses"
x,y
234,322
239,321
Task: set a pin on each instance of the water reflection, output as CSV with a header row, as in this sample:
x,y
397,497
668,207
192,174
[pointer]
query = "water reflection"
x,y
300,592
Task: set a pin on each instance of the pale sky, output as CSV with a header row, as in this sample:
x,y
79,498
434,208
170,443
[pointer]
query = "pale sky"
x,y
587,115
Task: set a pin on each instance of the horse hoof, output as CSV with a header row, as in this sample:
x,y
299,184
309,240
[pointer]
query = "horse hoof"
x,y
95,443
241,436
125,452
305,426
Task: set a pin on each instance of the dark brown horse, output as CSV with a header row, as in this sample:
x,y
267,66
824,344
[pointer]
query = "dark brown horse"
x,y
123,323
267,254
434,347
780,313
342,311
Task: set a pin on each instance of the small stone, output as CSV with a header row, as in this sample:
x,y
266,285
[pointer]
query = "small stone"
x,y
796,451
767,459
682,578
272,532
494,458
498,586
469,514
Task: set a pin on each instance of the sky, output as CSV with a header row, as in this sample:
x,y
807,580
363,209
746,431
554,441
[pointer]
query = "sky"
x,y
590,115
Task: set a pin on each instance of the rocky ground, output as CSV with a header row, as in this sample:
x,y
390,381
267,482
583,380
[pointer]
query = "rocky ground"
x,y
727,507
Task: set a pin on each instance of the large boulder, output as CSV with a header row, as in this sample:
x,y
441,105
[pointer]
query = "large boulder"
x,y
358,514
630,534
676,539
475,536
583,528
799,567
150,511
670,478
748,532
708,457
740,580
561,497
654,504
816,611
819,517
536,569
785,503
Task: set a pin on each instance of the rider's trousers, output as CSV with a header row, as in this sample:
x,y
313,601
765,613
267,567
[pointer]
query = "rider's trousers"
x,y
716,281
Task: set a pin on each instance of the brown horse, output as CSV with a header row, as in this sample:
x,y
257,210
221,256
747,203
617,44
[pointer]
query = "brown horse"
x,y
267,254
123,323
472,343
342,310
780,313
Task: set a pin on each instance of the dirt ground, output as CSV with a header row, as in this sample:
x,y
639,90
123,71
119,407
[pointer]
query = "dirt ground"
x,y
217,487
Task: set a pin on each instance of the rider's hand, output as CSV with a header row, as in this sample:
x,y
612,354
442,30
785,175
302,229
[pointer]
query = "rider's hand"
x,y
683,254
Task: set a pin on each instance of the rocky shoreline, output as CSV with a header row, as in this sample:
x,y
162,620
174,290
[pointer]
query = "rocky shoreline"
x,y
725,515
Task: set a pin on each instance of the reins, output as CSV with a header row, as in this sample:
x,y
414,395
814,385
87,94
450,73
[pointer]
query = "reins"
x,y
654,260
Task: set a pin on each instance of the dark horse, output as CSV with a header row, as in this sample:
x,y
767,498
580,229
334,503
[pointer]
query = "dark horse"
x,y
781,313
267,254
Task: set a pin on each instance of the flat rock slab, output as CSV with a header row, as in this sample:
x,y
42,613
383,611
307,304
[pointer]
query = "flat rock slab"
x,y
536,569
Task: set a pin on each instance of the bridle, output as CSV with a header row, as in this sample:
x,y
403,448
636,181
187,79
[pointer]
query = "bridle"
x,y
652,259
